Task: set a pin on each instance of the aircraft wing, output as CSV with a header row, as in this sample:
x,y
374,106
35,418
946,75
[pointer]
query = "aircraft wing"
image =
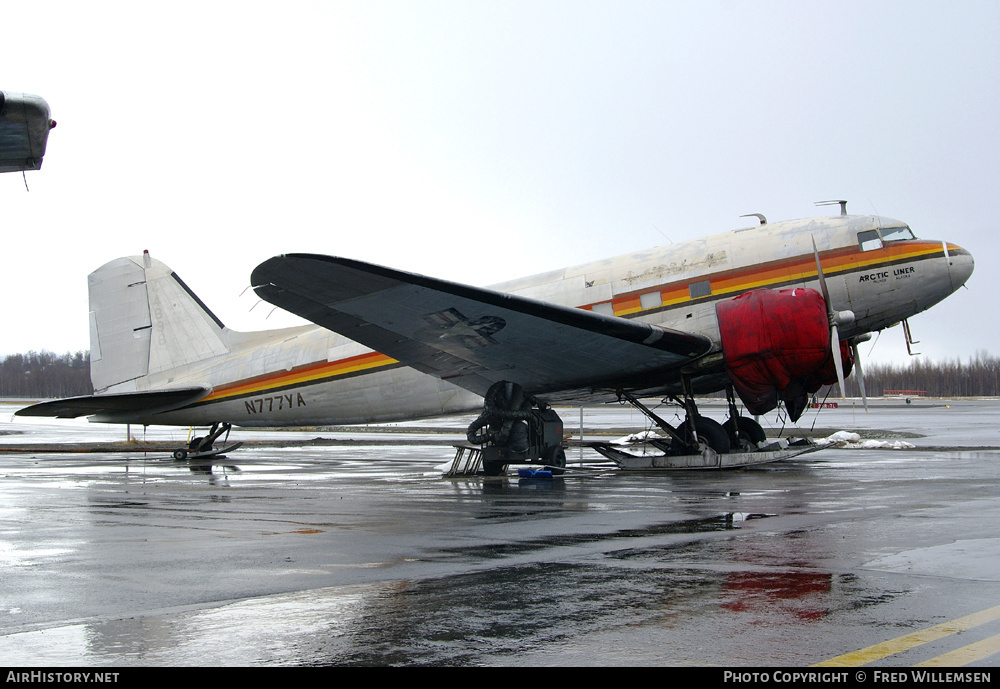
x,y
472,336
109,407
24,131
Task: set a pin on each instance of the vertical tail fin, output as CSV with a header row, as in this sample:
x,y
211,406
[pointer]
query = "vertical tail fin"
x,y
145,320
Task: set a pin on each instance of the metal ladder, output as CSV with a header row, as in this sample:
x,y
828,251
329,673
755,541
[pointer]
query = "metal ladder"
x,y
468,461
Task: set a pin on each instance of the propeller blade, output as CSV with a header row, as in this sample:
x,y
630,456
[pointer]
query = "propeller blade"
x,y
860,374
822,278
831,316
837,360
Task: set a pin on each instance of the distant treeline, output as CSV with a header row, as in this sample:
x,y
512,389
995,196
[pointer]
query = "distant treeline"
x,y
44,374
978,376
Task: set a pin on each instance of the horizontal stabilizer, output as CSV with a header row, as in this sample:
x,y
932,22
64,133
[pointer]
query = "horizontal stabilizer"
x,y
107,407
472,336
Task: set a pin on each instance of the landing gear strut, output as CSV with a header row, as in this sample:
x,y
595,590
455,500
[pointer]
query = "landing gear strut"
x,y
739,433
744,433
204,445
517,428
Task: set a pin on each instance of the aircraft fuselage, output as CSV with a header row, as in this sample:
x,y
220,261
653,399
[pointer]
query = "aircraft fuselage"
x,y
308,375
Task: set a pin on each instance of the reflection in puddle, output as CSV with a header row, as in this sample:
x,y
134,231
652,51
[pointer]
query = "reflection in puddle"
x,y
777,594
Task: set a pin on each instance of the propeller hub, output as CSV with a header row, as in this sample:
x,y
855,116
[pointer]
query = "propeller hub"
x,y
839,318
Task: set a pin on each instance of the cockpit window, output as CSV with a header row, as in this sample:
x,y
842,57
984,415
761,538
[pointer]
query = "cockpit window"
x,y
869,240
896,234
872,239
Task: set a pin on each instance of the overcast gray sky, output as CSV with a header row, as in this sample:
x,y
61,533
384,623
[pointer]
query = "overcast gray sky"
x,y
481,141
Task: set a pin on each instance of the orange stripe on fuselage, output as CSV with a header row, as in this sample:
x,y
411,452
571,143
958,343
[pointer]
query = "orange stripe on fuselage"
x,y
309,373
799,268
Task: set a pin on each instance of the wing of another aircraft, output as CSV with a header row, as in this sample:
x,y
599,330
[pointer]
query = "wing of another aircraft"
x,y
470,336
107,407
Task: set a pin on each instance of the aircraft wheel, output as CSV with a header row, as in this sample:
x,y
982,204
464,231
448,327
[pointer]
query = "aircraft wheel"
x,y
180,455
555,458
749,429
493,468
710,432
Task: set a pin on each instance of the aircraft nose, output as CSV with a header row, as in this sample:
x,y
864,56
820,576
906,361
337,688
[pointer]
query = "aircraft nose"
x,y
960,265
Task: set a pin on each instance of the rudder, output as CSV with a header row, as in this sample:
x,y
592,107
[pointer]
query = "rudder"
x,y
144,320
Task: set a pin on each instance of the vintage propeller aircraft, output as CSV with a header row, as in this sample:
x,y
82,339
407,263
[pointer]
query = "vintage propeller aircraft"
x,y
769,313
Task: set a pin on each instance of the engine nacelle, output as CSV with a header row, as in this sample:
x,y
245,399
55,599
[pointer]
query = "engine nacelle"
x,y
776,345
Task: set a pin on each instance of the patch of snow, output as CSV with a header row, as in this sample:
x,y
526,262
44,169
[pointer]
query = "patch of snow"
x,y
637,438
852,441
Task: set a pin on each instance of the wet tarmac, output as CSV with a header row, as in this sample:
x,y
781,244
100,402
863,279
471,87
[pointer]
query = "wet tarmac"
x,y
361,553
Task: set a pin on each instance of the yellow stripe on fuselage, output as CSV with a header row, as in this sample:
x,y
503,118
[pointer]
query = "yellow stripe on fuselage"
x,y
797,269
300,375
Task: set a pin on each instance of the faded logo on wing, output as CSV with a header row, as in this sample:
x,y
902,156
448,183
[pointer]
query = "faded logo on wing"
x,y
451,325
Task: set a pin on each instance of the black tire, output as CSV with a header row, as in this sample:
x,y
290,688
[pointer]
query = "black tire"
x,y
555,458
710,432
750,430
493,468
180,455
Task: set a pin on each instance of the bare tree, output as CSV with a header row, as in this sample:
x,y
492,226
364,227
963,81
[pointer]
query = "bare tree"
x,y
44,374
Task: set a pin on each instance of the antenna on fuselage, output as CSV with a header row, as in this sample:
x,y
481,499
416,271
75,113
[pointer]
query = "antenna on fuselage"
x,y
878,216
664,236
759,216
841,202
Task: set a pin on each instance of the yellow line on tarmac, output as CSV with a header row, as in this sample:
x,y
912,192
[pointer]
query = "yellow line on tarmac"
x,y
904,643
966,654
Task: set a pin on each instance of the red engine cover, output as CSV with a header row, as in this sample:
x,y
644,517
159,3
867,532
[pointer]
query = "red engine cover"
x,y
777,346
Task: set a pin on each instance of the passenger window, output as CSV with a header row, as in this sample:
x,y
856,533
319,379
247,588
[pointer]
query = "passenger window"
x,y
869,240
650,300
700,289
